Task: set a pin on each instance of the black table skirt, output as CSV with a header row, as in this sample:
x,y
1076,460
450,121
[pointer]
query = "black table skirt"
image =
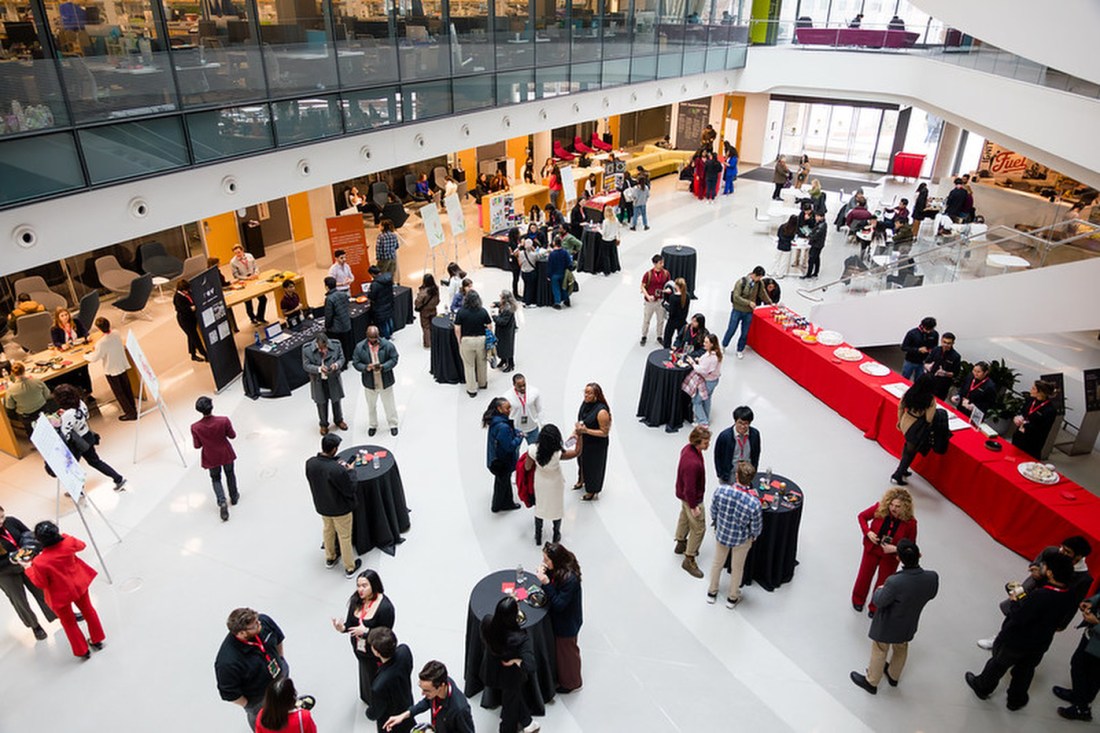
x,y
592,247
495,253
446,364
662,401
381,515
403,313
541,685
680,261
544,295
773,557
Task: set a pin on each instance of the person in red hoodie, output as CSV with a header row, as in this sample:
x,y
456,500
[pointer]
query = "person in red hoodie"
x,y
65,579
211,434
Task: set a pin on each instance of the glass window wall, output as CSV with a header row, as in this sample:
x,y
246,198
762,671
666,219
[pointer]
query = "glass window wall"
x,y
473,92
38,166
216,55
299,55
514,34
132,149
423,41
552,81
585,20
552,32
302,120
471,44
371,108
365,43
225,133
616,72
618,29
30,93
426,100
515,87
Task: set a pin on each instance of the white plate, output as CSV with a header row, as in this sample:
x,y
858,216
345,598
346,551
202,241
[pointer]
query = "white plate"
x,y
1023,467
847,353
830,338
874,369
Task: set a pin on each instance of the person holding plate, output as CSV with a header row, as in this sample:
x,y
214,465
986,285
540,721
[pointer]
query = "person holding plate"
x,y
368,609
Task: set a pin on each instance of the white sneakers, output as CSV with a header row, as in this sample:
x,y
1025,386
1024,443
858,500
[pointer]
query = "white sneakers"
x,y
533,728
986,644
740,354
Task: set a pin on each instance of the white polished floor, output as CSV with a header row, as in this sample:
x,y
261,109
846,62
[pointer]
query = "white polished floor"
x,y
656,656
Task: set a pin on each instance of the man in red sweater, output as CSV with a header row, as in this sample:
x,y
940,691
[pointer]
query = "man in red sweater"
x,y
211,434
691,483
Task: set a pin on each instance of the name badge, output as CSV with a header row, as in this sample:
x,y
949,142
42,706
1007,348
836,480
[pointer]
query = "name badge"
x,y
361,644
523,420
273,668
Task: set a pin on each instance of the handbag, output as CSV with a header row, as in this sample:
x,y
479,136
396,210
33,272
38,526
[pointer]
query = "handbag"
x,y
79,444
919,433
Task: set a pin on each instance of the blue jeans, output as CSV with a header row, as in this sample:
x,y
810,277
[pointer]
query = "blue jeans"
x,y
533,437
911,371
639,213
701,407
737,318
556,288
554,196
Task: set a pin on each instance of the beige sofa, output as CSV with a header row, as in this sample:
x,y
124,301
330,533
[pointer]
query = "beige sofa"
x,y
659,161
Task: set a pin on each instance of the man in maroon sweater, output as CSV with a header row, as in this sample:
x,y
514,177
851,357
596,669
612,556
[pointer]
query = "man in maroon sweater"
x,y
211,434
691,483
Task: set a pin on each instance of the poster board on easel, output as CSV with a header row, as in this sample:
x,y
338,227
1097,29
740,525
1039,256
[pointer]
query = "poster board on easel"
x,y
149,380
568,184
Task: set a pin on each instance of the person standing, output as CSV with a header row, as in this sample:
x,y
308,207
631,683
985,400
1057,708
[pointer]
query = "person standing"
x,y
1036,419
110,350
470,324
698,174
560,576
510,659
785,239
501,452
375,357
641,201
340,271
1084,667
338,317
977,390
386,246
803,171
526,405
920,205
736,517
817,243
528,257
381,298
558,262
391,693
369,608
712,171
64,579
675,301
883,526
916,411
740,442
900,601
211,435
610,231
427,303
942,364
449,707
73,417
780,177
188,319
544,457
249,660
334,499
708,367
282,711
323,360
244,268
744,296
13,577
592,430
691,484
505,322
25,395
730,174
1026,634
917,345
653,285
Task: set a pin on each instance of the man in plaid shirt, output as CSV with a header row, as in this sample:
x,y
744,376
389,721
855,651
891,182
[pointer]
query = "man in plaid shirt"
x,y
385,249
735,514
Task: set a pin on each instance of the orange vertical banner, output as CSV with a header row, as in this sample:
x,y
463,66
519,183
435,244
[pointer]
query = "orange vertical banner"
x,y
347,233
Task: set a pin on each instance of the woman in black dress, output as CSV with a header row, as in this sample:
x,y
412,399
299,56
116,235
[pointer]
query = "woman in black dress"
x,y
1036,419
505,321
188,320
513,254
676,303
919,207
511,659
592,430
368,608
560,576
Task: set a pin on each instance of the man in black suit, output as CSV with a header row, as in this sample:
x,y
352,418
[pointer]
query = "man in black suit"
x,y
449,707
738,443
942,364
391,692
334,499
898,602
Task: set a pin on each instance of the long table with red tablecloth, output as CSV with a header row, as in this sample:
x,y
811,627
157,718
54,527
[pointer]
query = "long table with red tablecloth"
x,y
1020,514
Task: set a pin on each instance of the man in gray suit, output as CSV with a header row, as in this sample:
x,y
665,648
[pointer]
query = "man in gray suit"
x,y
899,602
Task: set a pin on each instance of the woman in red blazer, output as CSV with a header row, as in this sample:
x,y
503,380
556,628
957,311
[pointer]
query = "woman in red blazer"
x,y
65,578
883,526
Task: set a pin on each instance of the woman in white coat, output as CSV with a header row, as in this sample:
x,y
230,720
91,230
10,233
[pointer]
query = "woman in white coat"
x,y
545,458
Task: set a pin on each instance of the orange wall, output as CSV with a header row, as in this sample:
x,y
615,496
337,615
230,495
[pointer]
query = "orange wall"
x,y
613,128
468,158
221,233
516,148
735,109
300,224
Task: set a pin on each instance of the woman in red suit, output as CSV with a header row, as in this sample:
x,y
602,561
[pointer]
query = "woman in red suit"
x,y
883,526
698,167
65,578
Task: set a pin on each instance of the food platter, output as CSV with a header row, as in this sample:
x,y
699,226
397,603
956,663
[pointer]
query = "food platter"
x,y
1040,473
830,338
799,332
809,338
874,369
847,353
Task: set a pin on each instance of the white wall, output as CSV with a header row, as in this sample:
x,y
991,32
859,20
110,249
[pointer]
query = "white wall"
x,y
1061,297
1059,34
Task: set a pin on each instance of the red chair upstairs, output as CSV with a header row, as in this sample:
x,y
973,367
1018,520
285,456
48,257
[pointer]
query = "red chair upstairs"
x,y
579,146
561,153
600,144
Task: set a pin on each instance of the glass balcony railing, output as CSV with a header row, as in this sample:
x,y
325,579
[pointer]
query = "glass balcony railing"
x,y
969,252
949,46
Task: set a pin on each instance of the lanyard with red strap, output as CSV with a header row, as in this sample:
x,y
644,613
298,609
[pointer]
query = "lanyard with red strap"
x,y
975,385
437,706
9,537
272,662
1036,407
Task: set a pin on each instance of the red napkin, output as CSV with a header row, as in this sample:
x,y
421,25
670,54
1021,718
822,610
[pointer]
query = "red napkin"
x,y
381,454
521,594
776,484
507,587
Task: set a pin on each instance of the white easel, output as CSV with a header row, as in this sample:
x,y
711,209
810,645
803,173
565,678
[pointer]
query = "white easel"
x,y
149,380
457,219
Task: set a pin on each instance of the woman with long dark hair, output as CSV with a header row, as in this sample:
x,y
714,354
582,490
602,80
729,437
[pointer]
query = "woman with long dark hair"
x,y
690,339
502,452
505,322
73,416
188,319
514,246
281,712
676,303
917,404
730,173
785,237
511,658
368,608
709,368
544,458
1036,419
592,430
427,303
919,207
560,575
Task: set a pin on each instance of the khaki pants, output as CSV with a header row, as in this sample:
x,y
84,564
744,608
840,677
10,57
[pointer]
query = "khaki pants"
x,y
898,655
737,567
691,528
387,404
472,351
651,308
338,528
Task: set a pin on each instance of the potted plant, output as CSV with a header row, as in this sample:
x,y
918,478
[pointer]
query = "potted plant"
x,y
1009,400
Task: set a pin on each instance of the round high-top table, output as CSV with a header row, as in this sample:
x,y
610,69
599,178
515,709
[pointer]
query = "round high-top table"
x,y
773,557
662,401
381,514
446,363
680,261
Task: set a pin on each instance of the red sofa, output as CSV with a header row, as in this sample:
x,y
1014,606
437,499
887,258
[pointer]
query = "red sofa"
x,y
860,37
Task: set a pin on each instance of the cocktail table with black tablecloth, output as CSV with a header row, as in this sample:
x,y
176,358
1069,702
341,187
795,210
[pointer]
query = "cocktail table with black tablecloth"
x,y
446,363
381,515
402,307
591,245
680,261
772,559
495,252
662,401
542,681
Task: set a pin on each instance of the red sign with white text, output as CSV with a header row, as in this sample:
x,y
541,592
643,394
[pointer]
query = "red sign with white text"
x,y
347,233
